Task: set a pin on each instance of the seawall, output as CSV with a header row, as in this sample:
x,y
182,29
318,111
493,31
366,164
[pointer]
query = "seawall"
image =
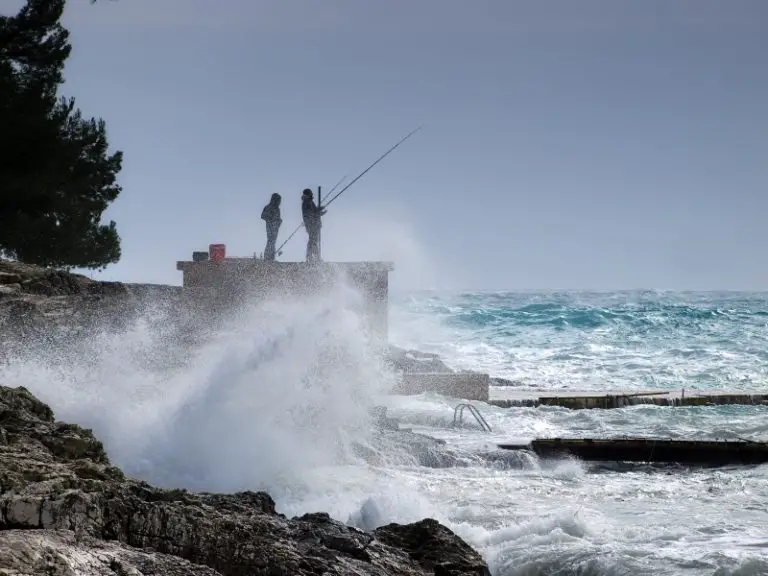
x,y
587,400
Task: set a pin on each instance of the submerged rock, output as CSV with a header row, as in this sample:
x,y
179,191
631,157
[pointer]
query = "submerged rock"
x,y
64,509
392,447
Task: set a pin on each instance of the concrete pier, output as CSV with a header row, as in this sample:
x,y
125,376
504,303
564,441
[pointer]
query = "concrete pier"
x,y
585,399
463,385
649,450
233,279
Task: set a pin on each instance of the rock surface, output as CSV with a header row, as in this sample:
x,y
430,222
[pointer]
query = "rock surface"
x,y
64,509
62,553
415,361
38,305
42,308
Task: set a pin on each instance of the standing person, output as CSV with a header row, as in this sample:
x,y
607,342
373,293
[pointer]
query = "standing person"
x,y
311,213
271,215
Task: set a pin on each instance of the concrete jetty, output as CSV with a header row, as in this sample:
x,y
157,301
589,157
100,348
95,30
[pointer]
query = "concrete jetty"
x,y
650,450
504,397
464,385
479,386
226,280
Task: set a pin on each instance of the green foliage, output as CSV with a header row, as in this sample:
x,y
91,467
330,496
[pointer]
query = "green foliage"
x,y
56,175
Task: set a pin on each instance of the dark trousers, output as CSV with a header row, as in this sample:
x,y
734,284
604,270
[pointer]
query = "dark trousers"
x,y
313,244
272,230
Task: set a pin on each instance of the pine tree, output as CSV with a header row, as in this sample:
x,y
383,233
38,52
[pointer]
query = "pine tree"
x,y
56,175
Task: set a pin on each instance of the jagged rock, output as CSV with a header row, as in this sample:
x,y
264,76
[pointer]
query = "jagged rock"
x,y
496,381
433,546
49,282
64,509
40,307
410,448
414,361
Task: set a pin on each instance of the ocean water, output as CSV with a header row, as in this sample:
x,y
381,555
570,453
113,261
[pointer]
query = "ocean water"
x,y
278,398
596,340
572,518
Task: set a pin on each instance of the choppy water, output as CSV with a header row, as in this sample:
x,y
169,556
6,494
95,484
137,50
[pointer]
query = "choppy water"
x,y
577,519
584,340
275,400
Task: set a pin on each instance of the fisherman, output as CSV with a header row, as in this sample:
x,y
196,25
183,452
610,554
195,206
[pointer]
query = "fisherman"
x,y
311,213
271,215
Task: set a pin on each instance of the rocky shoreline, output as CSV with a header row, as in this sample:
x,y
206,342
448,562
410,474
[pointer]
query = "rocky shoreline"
x,y
65,510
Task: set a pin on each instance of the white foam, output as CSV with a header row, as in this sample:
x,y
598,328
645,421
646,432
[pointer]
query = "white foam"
x,y
283,389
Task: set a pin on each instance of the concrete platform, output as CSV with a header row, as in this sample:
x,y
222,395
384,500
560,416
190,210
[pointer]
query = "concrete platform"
x,y
650,450
504,397
228,281
463,385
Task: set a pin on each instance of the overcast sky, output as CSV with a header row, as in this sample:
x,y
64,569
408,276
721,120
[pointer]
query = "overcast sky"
x,y
590,144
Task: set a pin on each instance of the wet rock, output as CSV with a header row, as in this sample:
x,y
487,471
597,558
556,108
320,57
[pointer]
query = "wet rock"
x,y
380,419
414,361
10,279
496,381
434,547
61,553
64,509
41,281
387,446
42,308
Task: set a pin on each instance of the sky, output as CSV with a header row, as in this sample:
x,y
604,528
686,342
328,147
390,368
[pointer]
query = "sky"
x,y
598,144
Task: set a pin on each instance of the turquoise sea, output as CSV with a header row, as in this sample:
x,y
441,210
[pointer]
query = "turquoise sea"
x,y
595,340
575,519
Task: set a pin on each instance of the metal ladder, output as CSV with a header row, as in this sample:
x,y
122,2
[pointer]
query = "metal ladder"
x,y
458,416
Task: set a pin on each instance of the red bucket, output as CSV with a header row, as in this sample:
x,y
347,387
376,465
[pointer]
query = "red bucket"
x,y
217,252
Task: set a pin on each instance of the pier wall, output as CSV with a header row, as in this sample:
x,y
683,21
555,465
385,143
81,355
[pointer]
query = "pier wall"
x,y
464,385
649,450
621,400
230,280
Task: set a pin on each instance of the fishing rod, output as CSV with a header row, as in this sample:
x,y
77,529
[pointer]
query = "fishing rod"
x,y
387,153
363,173
338,183
279,251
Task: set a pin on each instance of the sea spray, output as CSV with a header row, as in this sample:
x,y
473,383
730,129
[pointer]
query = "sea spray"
x,y
281,388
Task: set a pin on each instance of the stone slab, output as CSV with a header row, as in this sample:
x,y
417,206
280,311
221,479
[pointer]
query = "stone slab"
x,y
589,399
463,385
